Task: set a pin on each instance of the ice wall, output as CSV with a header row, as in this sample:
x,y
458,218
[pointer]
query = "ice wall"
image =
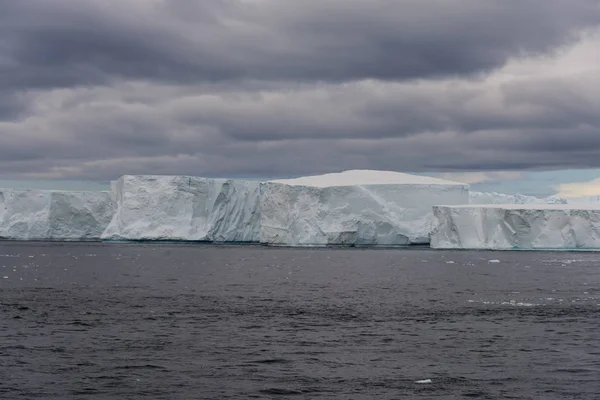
x,y
510,226
347,209
53,215
184,208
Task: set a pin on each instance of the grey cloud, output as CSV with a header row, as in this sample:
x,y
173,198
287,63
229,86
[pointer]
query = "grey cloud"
x,y
378,110
140,128
66,42
265,88
11,105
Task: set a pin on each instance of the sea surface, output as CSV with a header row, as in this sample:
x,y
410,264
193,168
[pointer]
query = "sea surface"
x,y
132,321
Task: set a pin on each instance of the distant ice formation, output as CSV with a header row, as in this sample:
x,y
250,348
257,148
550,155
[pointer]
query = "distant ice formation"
x,y
501,198
354,208
512,226
184,208
54,215
584,200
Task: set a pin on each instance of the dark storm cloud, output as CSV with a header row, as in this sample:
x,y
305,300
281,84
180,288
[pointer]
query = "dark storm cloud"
x,y
141,128
99,88
66,42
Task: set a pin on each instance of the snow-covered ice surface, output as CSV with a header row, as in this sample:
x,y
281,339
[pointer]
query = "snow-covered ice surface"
x,y
517,226
362,208
54,215
184,208
501,198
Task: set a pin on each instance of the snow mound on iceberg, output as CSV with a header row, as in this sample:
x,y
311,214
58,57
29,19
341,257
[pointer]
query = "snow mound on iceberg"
x,y
53,215
354,208
184,208
364,177
513,226
501,198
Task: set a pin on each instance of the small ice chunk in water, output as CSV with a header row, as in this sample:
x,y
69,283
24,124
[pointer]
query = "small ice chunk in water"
x,y
424,381
494,261
449,262
5,277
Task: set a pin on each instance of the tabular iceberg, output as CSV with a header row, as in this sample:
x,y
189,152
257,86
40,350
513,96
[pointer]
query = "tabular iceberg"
x,y
510,226
184,208
354,208
54,215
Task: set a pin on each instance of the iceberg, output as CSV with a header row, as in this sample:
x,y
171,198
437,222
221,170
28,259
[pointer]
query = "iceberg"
x,y
54,215
181,208
354,208
512,226
501,198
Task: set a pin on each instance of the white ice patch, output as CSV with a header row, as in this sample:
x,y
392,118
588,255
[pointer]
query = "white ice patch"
x,y
512,303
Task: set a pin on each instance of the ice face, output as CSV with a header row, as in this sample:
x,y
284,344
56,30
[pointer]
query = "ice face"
x,y
184,208
136,208
79,215
329,210
510,226
53,215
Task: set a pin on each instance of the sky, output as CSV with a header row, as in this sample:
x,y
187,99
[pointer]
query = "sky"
x,y
494,91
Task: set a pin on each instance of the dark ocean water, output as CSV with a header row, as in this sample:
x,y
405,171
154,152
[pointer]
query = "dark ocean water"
x,y
100,321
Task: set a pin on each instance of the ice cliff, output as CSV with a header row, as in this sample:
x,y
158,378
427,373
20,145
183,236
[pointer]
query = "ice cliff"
x,y
362,208
54,215
184,208
511,226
